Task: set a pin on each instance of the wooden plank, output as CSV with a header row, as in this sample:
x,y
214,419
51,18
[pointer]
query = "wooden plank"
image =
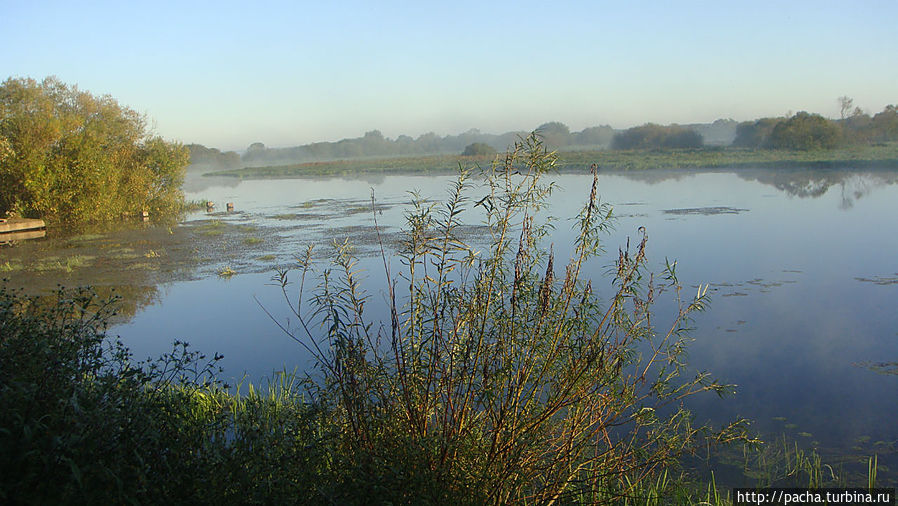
x,y
20,224
21,236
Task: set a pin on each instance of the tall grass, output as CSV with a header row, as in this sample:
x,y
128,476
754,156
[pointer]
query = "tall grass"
x,y
494,380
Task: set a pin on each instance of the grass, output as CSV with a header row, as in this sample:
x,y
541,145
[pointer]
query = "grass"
x,y
872,156
65,264
212,228
252,241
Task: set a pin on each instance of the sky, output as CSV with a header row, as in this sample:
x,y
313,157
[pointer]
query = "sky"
x,y
227,74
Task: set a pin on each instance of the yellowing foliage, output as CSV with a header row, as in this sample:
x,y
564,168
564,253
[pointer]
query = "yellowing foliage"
x,y
70,155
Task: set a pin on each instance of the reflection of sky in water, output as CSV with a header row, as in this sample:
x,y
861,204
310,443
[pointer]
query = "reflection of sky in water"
x,y
787,322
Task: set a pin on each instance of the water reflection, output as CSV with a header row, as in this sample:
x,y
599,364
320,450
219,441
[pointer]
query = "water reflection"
x,y
808,183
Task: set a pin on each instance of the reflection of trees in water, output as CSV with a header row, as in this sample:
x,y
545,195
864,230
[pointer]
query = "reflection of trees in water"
x,y
803,183
130,299
124,259
815,183
653,176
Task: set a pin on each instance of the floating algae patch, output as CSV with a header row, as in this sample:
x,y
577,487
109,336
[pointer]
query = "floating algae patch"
x,y
312,203
298,217
881,280
705,211
358,235
358,209
890,368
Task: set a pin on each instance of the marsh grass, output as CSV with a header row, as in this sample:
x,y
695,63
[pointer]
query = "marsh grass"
x,y
883,155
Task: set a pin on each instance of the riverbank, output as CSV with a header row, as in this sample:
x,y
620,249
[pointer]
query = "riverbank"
x,y
880,156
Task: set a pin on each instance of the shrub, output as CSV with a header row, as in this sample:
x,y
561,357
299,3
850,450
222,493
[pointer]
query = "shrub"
x,y
479,149
494,381
805,131
82,425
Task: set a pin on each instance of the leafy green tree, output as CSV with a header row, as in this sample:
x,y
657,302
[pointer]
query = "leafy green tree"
x,y
805,131
73,156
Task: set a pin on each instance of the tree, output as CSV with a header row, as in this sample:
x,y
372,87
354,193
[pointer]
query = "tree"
x,y
885,124
479,149
75,156
652,136
755,134
805,131
555,134
599,136
846,103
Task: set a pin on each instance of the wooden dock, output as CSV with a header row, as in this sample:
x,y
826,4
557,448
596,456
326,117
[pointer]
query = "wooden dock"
x,y
18,229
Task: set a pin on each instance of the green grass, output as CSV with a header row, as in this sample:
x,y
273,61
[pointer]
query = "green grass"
x,y
212,228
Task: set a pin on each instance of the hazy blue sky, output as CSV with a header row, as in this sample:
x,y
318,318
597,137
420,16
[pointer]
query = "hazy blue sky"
x,y
226,74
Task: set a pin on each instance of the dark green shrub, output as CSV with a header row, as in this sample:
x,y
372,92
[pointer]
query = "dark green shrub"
x,y
82,425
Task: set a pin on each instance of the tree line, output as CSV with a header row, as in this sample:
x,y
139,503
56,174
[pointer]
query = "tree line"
x,y
556,135
67,154
800,131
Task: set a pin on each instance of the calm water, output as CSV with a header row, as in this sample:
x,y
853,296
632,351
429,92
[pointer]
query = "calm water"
x,y
803,269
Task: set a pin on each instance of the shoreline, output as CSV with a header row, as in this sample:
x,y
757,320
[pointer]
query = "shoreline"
x,y
877,157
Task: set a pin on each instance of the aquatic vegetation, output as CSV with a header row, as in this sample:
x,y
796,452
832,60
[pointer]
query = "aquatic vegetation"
x,y
212,228
226,272
706,211
9,266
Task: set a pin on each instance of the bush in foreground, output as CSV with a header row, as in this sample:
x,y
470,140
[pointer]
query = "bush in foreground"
x,y
494,380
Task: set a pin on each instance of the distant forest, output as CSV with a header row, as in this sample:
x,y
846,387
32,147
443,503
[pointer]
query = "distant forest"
x,y
801,131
